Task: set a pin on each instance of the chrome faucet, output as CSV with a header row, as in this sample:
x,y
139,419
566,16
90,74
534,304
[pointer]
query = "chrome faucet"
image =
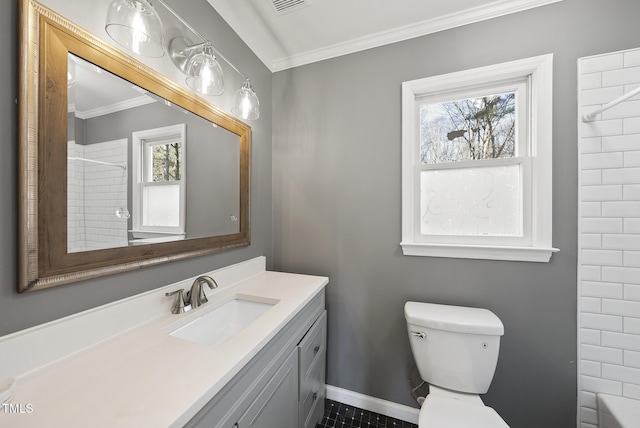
x,y
195,297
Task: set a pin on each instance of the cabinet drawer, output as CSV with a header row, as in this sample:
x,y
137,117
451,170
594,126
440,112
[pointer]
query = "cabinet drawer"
x,y
314,380
313,345
312,402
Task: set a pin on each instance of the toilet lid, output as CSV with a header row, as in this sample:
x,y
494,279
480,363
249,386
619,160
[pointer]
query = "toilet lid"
x,y
445,412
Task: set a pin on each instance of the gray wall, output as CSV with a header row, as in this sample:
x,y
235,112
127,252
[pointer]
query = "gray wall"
x,y
21,311
213,162
337,212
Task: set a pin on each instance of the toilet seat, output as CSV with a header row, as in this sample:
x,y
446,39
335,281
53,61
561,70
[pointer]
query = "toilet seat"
x,y
447,412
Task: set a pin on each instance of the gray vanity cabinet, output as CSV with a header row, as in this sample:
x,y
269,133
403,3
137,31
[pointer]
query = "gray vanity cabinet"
x,y
282,386
276,406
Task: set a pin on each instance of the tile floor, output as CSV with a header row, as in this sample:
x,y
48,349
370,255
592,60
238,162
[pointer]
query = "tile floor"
x,y
338,415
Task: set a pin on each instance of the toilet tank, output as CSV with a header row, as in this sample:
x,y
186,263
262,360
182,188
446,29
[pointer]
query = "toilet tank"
x,y
454,347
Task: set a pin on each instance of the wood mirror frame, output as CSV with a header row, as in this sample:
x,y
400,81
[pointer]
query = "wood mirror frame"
x,y
45,41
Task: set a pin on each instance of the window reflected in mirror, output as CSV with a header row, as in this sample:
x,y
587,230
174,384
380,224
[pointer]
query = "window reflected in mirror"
x,y
130,178
159,171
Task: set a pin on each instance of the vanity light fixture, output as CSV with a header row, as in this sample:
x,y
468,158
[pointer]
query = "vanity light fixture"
x,y
247,105
198,62
204,73
135,25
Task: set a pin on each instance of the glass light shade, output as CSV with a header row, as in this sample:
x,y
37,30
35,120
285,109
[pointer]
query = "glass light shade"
x,y
135,25
246,103
204,74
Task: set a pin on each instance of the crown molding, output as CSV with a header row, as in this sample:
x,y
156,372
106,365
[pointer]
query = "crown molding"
x,y
469,16
113,108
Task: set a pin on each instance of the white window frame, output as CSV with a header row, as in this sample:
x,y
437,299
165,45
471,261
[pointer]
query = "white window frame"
x,y
535,160
140,140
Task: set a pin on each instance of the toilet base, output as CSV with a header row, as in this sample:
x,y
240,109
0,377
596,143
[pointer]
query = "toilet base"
x,y
449,409
455,395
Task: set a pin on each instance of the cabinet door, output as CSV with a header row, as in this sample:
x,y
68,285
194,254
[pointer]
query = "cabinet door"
x,y
277,404
312,351
312,405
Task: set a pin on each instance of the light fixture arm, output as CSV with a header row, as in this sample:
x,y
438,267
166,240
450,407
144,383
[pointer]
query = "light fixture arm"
x,y
205,41
189,49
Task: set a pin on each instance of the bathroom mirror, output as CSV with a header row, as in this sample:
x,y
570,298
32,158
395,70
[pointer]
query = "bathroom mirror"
x,y
120,167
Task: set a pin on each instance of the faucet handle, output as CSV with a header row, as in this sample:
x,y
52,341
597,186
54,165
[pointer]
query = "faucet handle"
x,y
179,306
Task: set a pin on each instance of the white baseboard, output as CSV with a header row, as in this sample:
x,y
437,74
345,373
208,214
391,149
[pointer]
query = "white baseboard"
x,y
372,404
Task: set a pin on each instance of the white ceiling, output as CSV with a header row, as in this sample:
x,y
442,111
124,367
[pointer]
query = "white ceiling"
x,y
95,92
322,29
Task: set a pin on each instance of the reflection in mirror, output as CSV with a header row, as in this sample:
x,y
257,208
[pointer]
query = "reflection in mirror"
x,y
130,177
121,174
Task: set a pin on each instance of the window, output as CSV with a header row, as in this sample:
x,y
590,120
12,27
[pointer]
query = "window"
x,y
476,163
159,171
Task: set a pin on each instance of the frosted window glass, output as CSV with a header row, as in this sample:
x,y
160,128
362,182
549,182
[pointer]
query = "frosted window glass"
x,y
482,201
162,206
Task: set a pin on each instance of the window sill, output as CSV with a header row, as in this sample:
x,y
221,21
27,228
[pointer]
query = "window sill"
x,y
154,233
522,254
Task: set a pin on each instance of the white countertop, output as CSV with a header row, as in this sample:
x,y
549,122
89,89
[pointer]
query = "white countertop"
x,y
144,377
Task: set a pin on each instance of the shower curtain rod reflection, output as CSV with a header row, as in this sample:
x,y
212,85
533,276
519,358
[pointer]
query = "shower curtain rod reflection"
x,y
96,161
591,116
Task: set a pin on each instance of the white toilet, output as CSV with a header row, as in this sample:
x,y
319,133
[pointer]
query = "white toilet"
x,y
456,351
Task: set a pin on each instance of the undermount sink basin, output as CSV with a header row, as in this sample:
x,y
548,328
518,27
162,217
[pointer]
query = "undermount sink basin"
x,y
222,323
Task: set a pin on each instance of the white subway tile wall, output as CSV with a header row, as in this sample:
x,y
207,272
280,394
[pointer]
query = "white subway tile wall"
x,y
75,199
609,232
94,193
